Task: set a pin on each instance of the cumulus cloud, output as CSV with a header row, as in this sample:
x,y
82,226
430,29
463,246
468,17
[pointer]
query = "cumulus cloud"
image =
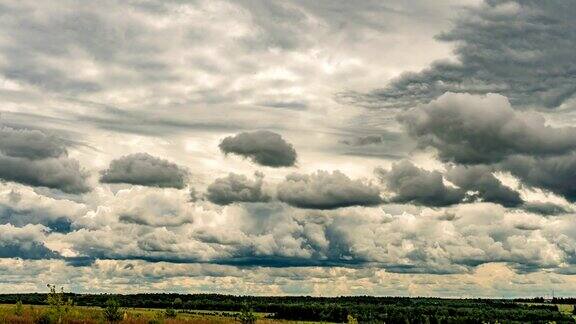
x,y
21,205
325,190
262,147
30,144
473,129
411,184
484,185
277,235
24,242
59,173
556,174
145,170
520,49
237,188
33,158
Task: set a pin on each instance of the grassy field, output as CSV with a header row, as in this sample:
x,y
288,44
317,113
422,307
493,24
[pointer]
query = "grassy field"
x,y
82,314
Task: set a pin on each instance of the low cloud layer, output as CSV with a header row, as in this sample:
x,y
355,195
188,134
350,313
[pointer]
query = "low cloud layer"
x,y
145,170
237,188
262,147
325,190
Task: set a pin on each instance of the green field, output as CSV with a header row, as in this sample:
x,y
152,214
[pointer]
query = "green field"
x,y
88,314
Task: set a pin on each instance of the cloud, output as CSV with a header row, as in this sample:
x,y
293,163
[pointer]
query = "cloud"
x,y
552,173
21,205
545,208
520,49
33,158
278,236
24,242
411,184
30,144
484,184
145,170
59,173
324,190
262,147
237,188
474,129
364,140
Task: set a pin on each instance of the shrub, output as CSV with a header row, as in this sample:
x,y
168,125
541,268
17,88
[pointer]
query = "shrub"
x,y
170,313
19,309
247,316
112,311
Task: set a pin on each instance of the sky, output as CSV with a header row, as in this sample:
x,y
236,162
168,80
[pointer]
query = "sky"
x,y
263,147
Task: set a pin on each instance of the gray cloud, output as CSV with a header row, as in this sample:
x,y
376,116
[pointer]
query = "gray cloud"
x,y
24,242
484,184
364,140
545,208
145,170
262,147
557,174
58,173
521,49
324,190
475,129
30,144
237,188
33,158
411,184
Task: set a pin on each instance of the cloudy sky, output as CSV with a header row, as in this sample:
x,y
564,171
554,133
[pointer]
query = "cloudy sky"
x,y
399,147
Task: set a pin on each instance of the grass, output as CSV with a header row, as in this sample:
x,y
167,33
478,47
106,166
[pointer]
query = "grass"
x,y
88,315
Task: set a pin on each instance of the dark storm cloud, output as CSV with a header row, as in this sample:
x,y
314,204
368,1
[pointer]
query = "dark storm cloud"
x,y
557,174
59,173
522,49
237,188
145,170
481,180
476,129
411,184
324,190
30,144
262,147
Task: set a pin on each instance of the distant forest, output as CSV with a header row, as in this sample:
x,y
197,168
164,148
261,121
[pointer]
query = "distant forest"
x,y
337,309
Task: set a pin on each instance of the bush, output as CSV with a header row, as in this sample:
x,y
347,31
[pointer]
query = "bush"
x,y
19,309
112,311
170,313
247,316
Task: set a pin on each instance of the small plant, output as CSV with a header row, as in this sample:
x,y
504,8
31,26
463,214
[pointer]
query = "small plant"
x,y
19,309
246,316
170,313
351,319
112,311
59,305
